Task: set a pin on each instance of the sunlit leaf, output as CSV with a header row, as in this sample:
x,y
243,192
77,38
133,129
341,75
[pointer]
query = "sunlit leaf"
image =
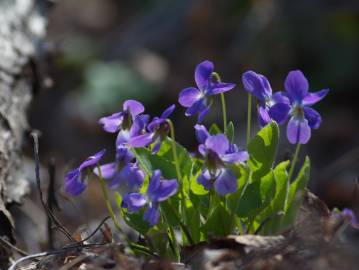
x,y
262,150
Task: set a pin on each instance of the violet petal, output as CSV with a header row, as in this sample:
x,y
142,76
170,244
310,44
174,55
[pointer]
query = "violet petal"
x,y
133,202
298,131
92,160
204,179
217,143
168,111
263,116
257,85
201,133
313,117
225,183
203,74
217,88
134,107
296,86
141,140
112,123
279,112
312,98
189,96
107,170
237,157
196,108
151,215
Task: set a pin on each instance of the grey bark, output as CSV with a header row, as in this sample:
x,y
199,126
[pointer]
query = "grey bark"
x,y
21,29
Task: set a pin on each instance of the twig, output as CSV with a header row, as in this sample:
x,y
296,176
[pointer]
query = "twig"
x,y
46,253
96,230
33,256
74,262
7,244
62,228
51,200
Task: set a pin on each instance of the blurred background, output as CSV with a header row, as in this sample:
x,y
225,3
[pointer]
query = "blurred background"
x,y
102,52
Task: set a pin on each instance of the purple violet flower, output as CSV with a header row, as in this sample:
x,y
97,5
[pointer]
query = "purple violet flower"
x,y
259,86
124,119
302,117
158,191
127,179
123,153
75,180
351,217
218,153
158,130
122,173
196,100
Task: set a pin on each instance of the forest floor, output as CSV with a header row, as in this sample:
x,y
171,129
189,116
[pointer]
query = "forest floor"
x,y
318,241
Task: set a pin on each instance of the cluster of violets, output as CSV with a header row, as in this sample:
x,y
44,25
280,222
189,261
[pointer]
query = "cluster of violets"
x,y
136,130
294,104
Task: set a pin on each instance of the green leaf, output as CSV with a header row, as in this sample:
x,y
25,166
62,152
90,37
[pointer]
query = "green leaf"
x,y
257,196
118,199
192,221
262,150
164,161
201,203
136,221
281,178
198,194
196,188
250,201
218,223
214,129
242,174
295,194
159,240
170,210
184,158
277,205
230,131
149,163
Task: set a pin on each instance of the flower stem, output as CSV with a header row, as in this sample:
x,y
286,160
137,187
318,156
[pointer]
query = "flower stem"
x,y
174,152
216,76
224,112
290,174
179,176
133,246
234,213
249,118
171,236
107,200
295,158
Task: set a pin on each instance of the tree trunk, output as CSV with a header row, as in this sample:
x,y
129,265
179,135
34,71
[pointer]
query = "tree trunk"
x,y
21,28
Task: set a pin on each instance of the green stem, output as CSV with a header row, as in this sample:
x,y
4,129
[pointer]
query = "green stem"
x,y
292,165
114,219
179,176
174,152
290,174
249,118
183,226
216,76
213,200
224,112
234,213
172,237
142,249
107,200
239,225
